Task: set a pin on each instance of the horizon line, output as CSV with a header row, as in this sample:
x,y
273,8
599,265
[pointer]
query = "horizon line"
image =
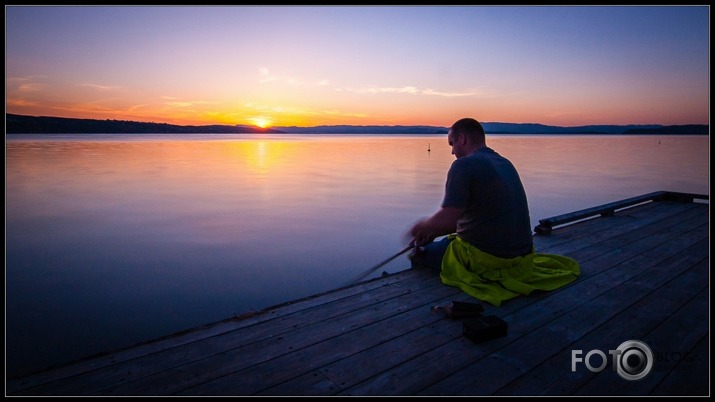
x,y
354,125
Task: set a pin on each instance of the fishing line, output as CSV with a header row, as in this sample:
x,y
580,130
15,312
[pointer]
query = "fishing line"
x,y
372,269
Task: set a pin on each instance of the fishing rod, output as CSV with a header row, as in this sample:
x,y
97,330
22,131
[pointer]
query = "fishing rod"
x,y
373,269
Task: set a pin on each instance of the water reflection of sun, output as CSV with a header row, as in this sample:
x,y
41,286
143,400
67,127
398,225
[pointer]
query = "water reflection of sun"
x,y
259,156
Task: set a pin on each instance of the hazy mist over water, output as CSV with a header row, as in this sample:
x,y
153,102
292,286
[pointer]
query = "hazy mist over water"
x,y
116,239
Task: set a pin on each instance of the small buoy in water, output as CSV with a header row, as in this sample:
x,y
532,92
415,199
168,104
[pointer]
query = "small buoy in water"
x,y
428,148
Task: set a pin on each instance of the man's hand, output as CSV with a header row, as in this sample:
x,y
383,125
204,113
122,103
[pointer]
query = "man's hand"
x,y
441,223
421,235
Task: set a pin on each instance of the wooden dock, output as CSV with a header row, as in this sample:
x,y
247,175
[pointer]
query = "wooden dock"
x,y
645,273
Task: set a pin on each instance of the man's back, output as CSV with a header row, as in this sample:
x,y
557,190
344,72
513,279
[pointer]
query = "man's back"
x,y
496,219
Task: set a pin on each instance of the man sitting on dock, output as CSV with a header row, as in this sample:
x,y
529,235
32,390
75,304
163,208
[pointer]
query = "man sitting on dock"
x,y
488,249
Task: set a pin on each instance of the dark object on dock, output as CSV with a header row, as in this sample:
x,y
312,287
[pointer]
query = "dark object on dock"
x,y
459,309
645,276
484,328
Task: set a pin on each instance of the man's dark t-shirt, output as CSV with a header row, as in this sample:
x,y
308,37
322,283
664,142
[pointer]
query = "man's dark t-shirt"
x,y
496,219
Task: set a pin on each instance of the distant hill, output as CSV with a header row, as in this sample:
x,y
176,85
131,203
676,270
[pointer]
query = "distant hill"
x,y
503,128
345,129
528,128
684,129
21,124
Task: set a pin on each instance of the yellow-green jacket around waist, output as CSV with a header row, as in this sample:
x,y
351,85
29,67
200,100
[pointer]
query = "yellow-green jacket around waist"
x,y
494,280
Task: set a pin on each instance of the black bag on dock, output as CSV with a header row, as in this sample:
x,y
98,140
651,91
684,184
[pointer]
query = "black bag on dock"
x,y
484,328
457,309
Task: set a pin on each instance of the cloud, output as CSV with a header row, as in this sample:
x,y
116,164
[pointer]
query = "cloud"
x,y
340,113
134,108
30,87
257,108
267,77
21,103
410,90
175,102
295,111
101,87
26,84
179,104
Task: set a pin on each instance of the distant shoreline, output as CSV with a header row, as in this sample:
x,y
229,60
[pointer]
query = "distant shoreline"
x,y
22,124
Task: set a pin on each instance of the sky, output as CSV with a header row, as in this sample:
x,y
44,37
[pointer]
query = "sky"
x,y
360,65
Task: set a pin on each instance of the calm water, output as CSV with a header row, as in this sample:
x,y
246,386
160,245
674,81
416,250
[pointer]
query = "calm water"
x,y
113,240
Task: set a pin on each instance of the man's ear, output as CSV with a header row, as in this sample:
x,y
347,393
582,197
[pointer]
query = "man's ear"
x,y
462,139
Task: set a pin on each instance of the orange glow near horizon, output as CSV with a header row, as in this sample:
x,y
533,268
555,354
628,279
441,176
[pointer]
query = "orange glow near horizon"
x,y
373,112
489,113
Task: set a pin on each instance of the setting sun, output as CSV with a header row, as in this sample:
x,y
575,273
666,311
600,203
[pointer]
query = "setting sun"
x,y
261,122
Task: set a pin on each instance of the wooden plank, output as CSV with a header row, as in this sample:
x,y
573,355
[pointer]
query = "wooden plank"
x,y
331,346
657,231
594,258
692,375
545,226
555,377
320,379
635,215
534,345
404,380
200,373
335,376
368,363
360,366
626,224
677,334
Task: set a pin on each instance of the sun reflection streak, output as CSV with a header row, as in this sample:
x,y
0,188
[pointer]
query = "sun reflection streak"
x,y
260,157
